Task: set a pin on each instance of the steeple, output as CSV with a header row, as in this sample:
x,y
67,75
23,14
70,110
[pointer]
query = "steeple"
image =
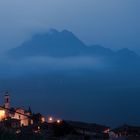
x,y
7,103
29,110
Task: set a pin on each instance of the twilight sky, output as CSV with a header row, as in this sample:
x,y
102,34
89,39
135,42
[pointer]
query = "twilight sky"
x,y
112,23
76,86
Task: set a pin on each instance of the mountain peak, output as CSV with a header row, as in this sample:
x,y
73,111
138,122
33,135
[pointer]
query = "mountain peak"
x,y
52,31
66,32
64,43
53,43
127,52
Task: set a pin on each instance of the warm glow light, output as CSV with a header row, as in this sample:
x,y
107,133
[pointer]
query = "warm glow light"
x,y
107,130
38,127
32,121
58,121
54,120
18,131
43,119
50,118
2,114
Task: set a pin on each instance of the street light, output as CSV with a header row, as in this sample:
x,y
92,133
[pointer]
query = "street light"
x,y
58,121
50,119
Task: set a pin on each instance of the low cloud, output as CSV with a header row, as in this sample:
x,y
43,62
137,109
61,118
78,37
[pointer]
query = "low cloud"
x,y
65,63
40,65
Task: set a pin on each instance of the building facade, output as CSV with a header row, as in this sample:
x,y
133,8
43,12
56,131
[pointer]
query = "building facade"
x,y
20,114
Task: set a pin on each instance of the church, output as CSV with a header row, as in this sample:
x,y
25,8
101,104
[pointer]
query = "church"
x,y
24,117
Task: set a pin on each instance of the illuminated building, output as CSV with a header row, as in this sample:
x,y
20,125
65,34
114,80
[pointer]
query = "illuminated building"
x,y
22,115
25,117
2,114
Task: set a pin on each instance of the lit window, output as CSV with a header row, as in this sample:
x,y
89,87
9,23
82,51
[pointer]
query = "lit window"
x,y
2,114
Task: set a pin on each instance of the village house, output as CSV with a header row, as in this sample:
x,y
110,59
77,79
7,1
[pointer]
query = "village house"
x,y
125,132
88,130
21,115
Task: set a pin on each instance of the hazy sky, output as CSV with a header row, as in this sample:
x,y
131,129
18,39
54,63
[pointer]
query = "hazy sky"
x,y
77,86
112,23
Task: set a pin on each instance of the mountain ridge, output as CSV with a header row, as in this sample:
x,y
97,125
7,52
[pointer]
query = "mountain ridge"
x,y
64,44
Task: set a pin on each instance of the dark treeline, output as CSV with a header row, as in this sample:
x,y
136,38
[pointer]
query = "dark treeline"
x,y
6,134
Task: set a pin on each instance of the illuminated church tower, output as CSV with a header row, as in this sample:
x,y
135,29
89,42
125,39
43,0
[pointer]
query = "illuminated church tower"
x,y
7,104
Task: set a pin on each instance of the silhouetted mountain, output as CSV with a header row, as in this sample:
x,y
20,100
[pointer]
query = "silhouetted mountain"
x,y
97,50
126,57
66,44
57,44
53,43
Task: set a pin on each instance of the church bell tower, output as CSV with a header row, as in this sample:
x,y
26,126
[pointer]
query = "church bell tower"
x,y
7,104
